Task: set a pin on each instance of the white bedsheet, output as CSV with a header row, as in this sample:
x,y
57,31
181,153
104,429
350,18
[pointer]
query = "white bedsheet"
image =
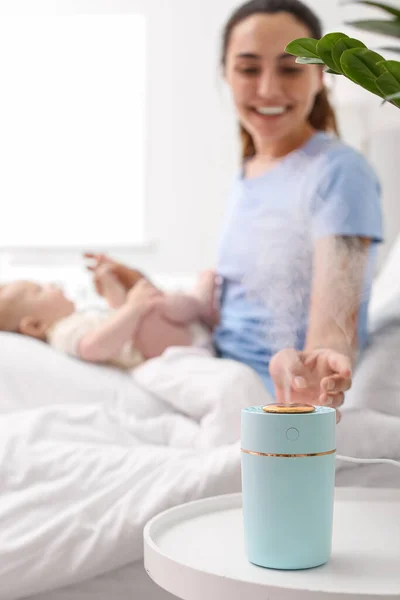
x,y
78,481
75,499
130,582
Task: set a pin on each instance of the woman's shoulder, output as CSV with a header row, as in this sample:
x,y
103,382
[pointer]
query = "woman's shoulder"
x,y
323,159
337,158
345,197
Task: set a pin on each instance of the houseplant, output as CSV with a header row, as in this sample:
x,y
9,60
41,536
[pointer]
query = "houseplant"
x,y
351,58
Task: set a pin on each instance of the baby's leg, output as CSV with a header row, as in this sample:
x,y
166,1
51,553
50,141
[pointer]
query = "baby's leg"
x,y
156,333
111,288
182,308
206,292
199,305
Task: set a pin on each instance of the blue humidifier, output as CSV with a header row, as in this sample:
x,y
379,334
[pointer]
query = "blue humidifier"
x,y
288,479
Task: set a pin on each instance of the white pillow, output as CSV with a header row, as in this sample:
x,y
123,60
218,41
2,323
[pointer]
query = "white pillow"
x,y
33,374
376,383
385,298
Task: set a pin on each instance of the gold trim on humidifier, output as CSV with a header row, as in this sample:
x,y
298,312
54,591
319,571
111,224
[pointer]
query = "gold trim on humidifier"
x,y
289,455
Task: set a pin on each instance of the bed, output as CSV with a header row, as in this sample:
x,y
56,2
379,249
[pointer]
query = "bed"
x,y
88,454
130,582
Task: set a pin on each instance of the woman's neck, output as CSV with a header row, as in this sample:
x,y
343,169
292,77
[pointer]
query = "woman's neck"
x,y
272,150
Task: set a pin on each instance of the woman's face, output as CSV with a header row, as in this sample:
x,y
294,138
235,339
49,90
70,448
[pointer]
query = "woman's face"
x,y
273,94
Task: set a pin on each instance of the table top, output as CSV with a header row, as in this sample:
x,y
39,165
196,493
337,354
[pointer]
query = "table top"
x,y
196,551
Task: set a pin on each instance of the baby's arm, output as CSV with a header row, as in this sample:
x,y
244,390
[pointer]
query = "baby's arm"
x,y
107,340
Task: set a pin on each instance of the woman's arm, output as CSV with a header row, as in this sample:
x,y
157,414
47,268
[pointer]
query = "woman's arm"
x,y
339,267
322,372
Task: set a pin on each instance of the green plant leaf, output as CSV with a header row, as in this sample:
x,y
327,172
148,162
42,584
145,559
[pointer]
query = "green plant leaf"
x,y
393,66
304,60
393,97
389,82
389,86
386,7
361,66
343,44
332,72
325,47
303,47
390,27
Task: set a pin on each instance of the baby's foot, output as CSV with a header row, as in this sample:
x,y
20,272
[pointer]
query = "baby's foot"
x,y
205,291
109,286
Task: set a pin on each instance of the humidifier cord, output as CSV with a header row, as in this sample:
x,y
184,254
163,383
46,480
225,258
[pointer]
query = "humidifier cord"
x,y
388,461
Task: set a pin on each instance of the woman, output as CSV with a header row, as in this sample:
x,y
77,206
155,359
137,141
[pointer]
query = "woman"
x,y
300,236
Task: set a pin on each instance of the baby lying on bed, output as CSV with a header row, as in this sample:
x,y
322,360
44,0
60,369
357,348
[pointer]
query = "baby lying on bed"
x,y
139,324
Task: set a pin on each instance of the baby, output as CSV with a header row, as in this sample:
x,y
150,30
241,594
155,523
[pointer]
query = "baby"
x,y
140,323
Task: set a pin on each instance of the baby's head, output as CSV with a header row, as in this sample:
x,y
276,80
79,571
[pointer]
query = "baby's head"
x,y
31,308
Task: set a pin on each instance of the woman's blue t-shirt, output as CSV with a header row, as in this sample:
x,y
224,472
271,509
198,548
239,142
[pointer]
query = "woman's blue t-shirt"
x,y
266,251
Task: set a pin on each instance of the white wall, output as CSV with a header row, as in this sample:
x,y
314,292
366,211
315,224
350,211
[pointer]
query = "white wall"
x,y
372,128
193,145
192,149
192,142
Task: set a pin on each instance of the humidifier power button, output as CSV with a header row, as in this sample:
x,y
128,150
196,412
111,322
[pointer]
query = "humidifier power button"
x,y
292,434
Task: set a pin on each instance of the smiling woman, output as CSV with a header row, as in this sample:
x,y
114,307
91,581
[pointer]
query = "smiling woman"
x,y
249,62
303,223
304,216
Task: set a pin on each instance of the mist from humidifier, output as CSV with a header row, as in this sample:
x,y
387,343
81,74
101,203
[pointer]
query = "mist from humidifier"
x,y
282,278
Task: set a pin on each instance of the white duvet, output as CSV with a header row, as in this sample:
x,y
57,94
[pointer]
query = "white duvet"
x,y
79,479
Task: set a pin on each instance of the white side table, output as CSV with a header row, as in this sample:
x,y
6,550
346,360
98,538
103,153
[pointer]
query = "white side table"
x,y
196,552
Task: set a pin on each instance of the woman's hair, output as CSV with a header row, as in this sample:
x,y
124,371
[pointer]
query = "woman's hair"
x,y
322,116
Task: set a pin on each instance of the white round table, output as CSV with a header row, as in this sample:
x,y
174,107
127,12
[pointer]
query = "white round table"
x,y
196,552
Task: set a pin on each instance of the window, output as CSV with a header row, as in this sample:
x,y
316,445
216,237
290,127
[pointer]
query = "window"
x,y
72,122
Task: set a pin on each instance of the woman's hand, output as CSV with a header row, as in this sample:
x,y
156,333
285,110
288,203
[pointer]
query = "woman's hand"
x,y
318,377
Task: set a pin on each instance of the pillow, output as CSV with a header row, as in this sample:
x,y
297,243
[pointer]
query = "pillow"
x,y
376,383
34,374
385,297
